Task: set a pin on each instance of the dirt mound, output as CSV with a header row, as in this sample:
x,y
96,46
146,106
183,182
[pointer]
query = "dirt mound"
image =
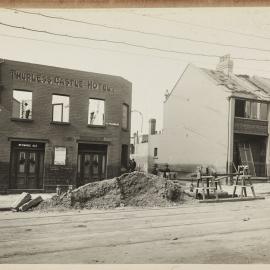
x,y
133,189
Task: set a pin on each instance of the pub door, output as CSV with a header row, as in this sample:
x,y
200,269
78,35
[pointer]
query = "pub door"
x,y
91,166
27,168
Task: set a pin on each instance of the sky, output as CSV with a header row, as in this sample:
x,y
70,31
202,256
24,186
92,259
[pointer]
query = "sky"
x,y
176,36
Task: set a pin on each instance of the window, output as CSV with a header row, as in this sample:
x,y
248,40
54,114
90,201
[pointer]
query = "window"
x,y
247,109
250,109
60,108
239,108
263,111
96,115
125,116
60,155
253,110
124,156
155,152
22,104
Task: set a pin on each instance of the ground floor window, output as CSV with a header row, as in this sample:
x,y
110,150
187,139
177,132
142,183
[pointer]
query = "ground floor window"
x,y
155,152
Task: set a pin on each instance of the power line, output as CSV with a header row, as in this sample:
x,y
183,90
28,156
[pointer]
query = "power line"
x,y
93,48
202,26
118,51
126,43
143,32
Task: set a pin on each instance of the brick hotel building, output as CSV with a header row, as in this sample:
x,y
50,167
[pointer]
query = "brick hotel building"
x,y
60,126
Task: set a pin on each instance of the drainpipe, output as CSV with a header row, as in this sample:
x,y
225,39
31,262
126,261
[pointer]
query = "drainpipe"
x,y
230,145
229,112
1,62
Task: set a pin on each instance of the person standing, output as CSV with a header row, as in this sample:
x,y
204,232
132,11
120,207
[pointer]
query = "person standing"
x,y
133,165
27,110
155,170
167,172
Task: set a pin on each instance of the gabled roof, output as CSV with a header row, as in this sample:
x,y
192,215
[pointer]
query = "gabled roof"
x,y
242,85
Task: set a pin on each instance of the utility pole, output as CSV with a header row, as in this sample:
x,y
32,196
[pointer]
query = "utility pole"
x,y
140,113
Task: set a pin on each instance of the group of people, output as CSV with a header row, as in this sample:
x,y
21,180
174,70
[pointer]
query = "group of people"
x,y
166,172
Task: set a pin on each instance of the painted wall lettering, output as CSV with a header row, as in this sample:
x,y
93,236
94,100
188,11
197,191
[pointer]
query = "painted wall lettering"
x,y
60,81
92,85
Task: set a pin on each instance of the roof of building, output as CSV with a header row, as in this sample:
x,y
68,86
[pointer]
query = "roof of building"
x,y
245,86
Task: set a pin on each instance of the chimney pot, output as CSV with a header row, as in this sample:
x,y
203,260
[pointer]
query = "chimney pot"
x,y
225,65
152,126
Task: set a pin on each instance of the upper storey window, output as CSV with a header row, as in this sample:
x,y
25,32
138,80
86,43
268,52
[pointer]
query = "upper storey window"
x,y
96,112
125,116
250,109
60,108
22,104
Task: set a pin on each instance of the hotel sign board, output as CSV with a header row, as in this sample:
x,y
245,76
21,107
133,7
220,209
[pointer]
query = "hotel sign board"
x,y
60,81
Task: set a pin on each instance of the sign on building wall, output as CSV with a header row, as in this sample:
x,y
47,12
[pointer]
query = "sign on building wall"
x,y
60,155
60,81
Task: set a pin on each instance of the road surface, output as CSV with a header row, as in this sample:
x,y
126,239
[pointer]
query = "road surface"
x,y
232,232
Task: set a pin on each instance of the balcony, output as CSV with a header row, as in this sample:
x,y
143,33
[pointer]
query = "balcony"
x,y
250,126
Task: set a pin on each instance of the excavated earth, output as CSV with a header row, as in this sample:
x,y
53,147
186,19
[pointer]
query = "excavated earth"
x,y
135,189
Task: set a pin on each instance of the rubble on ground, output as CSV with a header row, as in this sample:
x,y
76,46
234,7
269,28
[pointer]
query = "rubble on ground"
x,y
25,202
32,203
136,189
23,198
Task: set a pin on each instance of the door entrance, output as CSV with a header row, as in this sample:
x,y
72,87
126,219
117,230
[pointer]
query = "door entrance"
x,y
92,159
27,165
251,150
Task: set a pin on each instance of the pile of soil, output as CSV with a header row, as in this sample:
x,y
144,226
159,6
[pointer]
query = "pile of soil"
x,y
135,189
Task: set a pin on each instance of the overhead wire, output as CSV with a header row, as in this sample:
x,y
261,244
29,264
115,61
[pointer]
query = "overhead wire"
x,y
140,31
126,43
122,52
202,26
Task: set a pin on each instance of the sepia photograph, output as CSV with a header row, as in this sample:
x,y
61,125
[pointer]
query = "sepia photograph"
x,y
134,134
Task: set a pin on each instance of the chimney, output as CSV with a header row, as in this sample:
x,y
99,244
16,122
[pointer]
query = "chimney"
x,y
152,126
225,65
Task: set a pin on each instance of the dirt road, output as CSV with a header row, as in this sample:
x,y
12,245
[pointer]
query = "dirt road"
x,y
236,232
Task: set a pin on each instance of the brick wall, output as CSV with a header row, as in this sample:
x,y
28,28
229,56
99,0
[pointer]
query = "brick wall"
x,y
57,134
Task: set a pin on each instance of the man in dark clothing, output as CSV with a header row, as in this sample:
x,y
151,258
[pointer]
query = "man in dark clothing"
x,y
166,173
130,165
155,170
27,110
133,165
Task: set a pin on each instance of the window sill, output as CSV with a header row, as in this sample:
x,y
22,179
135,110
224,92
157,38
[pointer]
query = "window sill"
x,y
96,126
252,119
60,123
21,119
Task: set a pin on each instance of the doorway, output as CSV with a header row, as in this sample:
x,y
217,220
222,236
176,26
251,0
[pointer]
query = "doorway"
x,y
92,163
251,150
27,162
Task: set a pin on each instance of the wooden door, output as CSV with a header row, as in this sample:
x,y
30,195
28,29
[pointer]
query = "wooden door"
x,y
28,168
91,167
21,170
